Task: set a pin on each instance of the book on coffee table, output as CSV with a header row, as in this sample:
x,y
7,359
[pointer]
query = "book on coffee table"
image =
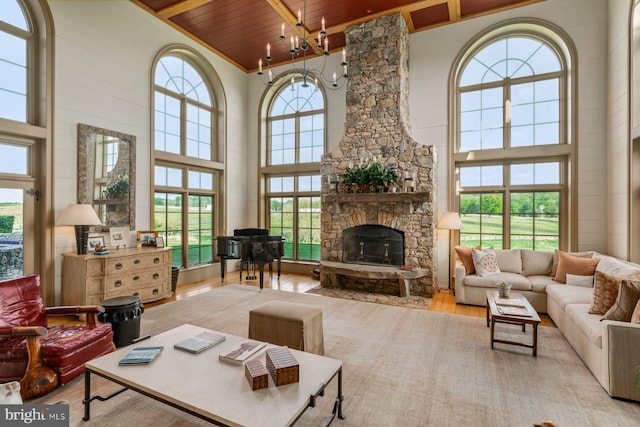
x,y
141,356
200,342
241,353
514,311
513,302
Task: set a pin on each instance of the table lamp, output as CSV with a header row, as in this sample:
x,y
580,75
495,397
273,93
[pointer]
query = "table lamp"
x,y
81,216
450,221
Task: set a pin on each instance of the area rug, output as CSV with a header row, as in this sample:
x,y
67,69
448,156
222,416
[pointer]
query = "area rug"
x,y
411,301
402,367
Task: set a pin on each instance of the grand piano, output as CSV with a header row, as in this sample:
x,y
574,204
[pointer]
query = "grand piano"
x,y
253,247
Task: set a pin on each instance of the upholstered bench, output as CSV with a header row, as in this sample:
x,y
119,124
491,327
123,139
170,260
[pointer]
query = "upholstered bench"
x,y
294,325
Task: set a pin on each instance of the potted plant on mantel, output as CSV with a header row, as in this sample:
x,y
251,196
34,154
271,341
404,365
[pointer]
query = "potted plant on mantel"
x,y
118,189
369,177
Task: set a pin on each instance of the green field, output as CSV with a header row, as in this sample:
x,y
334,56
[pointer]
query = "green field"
x,y
541,233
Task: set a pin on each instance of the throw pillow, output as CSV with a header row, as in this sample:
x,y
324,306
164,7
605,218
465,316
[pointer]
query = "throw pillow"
x,y
485,262
628,296
574,279
635,317
466,258
568,264
605,292
556,259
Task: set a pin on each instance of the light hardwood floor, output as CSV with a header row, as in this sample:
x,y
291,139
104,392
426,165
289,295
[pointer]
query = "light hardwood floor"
x,y
444,301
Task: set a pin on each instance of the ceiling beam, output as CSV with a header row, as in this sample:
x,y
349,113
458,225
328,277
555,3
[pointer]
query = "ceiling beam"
x,y
454,10
180,7
400,9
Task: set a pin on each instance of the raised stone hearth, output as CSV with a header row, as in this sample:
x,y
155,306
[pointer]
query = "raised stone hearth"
x,y
377,125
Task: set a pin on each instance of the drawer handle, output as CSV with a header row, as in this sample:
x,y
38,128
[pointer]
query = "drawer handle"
x,y
118,283
136,261
136,277
156,275
156,260
155,291
119,266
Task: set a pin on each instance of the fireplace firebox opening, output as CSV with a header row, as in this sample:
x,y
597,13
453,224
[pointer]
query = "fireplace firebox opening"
x,y
373,244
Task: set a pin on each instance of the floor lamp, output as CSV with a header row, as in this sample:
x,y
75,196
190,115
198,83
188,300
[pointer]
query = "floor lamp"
x,y
450,221
81,217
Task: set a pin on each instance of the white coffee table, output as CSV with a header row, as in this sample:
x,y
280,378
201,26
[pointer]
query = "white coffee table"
x,y
218,392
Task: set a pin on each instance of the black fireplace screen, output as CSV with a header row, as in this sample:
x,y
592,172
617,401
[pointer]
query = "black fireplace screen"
x,y
373,244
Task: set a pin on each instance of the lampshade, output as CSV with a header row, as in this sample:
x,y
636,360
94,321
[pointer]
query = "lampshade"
x,y
79,215
450,221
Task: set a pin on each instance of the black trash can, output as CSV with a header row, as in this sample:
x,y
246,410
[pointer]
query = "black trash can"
x,y
124,315
175,271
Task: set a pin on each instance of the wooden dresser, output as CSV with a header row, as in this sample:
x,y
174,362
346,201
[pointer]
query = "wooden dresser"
x,y
90,279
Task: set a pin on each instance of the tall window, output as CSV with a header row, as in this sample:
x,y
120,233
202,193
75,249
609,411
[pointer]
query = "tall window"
x,y
295,127
23,144
512,151
186,172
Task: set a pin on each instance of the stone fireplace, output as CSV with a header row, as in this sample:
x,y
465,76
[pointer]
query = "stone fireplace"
x,y
377,125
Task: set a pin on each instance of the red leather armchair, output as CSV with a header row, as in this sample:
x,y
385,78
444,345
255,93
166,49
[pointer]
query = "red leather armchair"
x,y
40,357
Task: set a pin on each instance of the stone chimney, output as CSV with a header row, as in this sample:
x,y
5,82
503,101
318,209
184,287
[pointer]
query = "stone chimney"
x,y
377,124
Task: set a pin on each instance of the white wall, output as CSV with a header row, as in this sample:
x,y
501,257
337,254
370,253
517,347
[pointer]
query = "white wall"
x,y
103,56
432,54
618,129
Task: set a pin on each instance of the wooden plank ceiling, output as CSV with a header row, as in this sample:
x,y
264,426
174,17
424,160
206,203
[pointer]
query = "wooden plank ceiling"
x,y
239,30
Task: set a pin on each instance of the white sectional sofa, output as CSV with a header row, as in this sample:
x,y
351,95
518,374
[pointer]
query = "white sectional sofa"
x,y
610,349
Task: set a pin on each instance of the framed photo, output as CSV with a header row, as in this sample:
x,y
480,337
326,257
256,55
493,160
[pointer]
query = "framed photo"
x,y
159,242
147,238
119,236
95,240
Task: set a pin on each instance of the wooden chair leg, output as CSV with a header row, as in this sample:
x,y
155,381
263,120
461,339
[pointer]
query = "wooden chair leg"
x,y
38,379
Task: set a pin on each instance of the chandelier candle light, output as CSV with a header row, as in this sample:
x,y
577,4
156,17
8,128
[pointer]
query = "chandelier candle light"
x,y
298,46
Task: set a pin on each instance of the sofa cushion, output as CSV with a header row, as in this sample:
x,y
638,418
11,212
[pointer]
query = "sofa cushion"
x,y
568,264
466,258
614,266
485,262
518,281
540,283
536,263
509,260
567,294
628,296
554,265
588,323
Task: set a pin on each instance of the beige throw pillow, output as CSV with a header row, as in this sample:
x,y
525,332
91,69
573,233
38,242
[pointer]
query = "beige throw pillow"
x,y
485,262
635,317
568,264
605,292
628,296
574,279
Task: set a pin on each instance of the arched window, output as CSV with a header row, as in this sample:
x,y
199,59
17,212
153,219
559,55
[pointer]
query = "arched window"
x,y
187,171
24,101
512,148
295,142
16,36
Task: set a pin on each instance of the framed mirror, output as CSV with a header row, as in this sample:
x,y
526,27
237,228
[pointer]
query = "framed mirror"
x,y
107,175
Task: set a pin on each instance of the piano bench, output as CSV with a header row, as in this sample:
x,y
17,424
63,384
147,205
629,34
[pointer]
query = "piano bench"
x,y
294,325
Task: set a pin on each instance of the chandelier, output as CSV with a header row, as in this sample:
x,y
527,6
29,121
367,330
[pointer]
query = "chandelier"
x,y
301,43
